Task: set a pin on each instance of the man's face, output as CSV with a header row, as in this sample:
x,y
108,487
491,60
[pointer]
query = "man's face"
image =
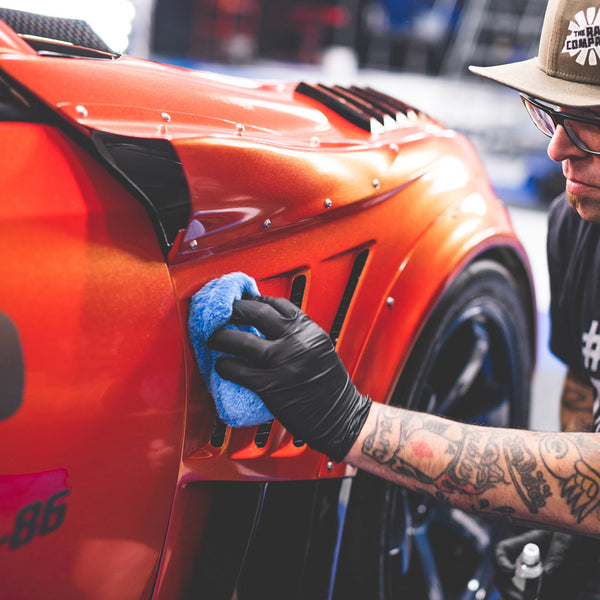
x,y
580,168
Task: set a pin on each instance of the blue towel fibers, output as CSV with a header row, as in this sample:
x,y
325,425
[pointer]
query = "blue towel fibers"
x,y
210,309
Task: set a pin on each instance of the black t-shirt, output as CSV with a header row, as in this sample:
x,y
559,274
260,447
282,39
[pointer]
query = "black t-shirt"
x,y
574,267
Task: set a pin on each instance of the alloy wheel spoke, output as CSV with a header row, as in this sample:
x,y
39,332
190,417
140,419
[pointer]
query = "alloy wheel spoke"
x,y
400,530
433,581
476,358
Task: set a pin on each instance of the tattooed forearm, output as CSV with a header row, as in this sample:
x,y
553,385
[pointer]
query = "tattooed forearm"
x,y
527,477
385,444
468,464
380,444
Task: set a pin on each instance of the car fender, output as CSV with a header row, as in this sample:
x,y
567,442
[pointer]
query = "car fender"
x,y
468,229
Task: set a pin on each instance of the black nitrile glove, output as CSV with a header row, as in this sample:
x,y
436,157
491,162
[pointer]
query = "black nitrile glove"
x,y
296,372
567,560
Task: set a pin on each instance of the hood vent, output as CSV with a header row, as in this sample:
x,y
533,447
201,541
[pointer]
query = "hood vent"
x,y
364,107
54,36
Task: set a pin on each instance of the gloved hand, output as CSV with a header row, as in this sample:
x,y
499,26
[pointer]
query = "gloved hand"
x,y
296,372
565,560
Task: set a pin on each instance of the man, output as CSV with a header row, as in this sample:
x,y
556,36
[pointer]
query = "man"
x,y
569,47
297,373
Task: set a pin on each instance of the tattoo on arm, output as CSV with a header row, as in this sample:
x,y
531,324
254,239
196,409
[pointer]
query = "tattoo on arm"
x,y
580,485
528,480
513,474
469,463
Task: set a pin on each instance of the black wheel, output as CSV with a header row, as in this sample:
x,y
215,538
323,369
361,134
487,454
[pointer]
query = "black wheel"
x,y
471,363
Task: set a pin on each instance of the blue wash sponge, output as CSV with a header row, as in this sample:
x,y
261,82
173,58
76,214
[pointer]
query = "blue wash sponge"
x,y
210,309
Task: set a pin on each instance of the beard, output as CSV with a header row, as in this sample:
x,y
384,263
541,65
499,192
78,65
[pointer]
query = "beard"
x,y
573,200
587,208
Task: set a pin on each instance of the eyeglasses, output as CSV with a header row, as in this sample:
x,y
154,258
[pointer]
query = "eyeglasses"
x,y
583,132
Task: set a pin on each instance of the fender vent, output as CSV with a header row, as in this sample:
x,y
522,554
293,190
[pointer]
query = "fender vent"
x,y
217,437
340,317
296,297
364,107
54,36
262,434
298,287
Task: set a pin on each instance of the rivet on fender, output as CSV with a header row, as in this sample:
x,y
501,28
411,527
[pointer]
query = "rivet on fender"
x,y
376,184
267,224
240,128
328,203
166,116
81,110
390,302
193,245
329,466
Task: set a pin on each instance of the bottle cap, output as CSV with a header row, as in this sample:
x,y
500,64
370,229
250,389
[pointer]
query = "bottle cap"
x,y
531,554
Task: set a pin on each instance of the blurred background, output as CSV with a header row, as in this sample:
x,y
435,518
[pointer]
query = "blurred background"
x,y
416,50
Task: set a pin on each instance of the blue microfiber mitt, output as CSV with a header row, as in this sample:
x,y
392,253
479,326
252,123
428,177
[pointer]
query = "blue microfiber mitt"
x,y
210,309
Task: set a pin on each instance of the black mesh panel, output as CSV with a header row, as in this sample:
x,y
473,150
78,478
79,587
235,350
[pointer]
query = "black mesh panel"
x,y
72,31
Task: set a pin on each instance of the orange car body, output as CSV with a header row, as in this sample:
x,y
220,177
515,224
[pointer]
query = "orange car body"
x,y
107,462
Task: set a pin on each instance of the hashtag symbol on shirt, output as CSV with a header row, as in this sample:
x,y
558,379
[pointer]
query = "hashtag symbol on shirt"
x,y
591,347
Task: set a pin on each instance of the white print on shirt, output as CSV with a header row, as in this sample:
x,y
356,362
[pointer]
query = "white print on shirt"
x,y
596,383
590,347
590,350
583,40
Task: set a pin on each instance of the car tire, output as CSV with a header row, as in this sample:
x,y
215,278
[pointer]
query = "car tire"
x,y
472,362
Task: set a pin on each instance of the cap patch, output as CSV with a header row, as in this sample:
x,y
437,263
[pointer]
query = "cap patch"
x,y
583,41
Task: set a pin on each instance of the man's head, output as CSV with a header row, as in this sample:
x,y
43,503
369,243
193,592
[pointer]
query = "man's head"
x,y
565,76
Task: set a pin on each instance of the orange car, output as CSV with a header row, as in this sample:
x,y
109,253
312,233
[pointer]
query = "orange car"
x,y
127,185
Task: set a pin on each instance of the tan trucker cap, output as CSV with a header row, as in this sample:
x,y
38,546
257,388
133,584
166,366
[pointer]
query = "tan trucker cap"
x,y
566,71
